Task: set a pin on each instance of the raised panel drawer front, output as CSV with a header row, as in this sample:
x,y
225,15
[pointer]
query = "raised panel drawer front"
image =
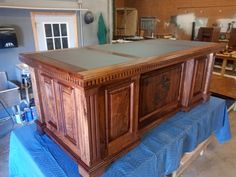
x,y
49,102
119,116
66,96
159,93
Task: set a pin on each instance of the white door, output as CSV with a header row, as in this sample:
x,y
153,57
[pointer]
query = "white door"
x,y
54,30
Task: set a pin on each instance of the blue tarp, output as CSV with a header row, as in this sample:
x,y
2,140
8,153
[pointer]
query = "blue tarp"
x,y
158,154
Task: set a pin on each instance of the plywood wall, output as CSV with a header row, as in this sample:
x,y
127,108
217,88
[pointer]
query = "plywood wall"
x,y
209,11
119,3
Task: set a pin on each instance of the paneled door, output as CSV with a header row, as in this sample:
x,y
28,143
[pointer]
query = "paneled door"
x,y
54,30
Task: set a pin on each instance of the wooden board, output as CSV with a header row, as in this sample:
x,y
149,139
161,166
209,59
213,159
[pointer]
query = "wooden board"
x,y
225,86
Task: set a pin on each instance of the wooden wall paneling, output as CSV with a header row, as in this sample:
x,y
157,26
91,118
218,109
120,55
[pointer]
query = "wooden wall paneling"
x,y
119,3
163,10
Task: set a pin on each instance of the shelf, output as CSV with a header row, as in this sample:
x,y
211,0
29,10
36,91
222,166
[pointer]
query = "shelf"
x,y
125,9
42,5
220,67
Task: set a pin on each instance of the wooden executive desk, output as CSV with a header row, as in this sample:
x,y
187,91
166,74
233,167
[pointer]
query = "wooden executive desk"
x,y
96,102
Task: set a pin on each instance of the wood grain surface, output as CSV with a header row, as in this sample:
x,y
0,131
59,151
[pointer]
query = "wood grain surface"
x,y
97,115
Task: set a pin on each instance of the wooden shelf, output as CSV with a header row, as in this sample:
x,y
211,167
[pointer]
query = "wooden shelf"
x,y
125,9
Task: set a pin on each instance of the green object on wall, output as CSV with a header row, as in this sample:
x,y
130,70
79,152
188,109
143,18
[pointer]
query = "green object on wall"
x,y
102,31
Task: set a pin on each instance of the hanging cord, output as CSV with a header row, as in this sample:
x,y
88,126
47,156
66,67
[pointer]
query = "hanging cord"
x,y
6,119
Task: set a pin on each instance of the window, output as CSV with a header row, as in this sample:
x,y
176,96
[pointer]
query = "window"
x,y
54,30
56,35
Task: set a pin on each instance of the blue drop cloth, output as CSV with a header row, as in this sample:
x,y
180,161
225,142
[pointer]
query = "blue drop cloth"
x,y
158,154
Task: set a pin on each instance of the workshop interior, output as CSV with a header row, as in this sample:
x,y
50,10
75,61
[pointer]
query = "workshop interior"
x,y
117,88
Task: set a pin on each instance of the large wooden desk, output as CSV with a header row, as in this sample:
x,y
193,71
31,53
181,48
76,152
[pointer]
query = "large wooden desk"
x,y
96,102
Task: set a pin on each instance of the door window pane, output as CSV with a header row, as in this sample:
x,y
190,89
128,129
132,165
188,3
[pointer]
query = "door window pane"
x,y
56,36
48,30
50,44
56,30
63,30
57,43
65,42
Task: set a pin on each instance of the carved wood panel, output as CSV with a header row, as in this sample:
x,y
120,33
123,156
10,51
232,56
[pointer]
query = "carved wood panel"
x,y
49,102
160,92
119,116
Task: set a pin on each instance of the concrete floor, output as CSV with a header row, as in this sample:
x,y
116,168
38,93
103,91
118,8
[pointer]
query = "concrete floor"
x,y
217,161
